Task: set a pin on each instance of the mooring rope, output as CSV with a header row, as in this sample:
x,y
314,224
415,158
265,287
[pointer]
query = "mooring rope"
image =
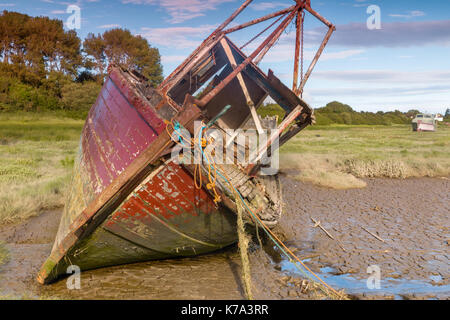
x,y
243,250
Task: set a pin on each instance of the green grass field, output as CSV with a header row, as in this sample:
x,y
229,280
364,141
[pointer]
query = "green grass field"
x,y
36,158
37,153
336,156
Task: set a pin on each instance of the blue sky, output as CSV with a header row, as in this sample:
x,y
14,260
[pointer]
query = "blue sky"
x,y
404,65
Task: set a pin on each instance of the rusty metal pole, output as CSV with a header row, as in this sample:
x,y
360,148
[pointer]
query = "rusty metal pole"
x,y
318,16
262,19
259,34
297,49
272,38
316,58
196,51
277,132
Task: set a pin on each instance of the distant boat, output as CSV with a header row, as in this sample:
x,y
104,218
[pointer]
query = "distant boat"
x,y
439,117
424,122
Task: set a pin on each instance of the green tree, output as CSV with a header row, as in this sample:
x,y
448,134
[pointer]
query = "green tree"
x,y
79,97
12,36
412,113
335,107
95,58
39,44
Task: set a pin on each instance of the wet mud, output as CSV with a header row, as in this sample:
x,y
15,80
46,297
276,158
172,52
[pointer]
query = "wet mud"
x,y
405,234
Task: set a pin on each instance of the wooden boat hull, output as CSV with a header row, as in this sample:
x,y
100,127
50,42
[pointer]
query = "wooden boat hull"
x,y
164,216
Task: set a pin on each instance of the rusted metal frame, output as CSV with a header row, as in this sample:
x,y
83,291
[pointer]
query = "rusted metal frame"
x,y
163,85
283,126
274,39
260,33
318,16
299,90
264,81
190,61
275,34
172,103
249,101
231,138
297,48
293,131
98,210
259,20
264,84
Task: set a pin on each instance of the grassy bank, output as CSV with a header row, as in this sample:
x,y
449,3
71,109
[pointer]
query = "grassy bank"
x,y
37,153
36,158
337,156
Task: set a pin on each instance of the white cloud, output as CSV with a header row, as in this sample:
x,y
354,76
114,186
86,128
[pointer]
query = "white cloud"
x,y
410,14
172,59
177,37
390,91
261,6
386,76
285,52
393,34
109,26
382,89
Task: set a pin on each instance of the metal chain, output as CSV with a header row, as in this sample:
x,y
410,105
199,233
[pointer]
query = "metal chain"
x,y
301,47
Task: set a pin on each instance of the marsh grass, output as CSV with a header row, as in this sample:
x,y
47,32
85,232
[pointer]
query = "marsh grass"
x,y
36,160
37,154
339,156
4,254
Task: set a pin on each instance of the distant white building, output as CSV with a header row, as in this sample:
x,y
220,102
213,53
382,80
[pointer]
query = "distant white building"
x,y
438,117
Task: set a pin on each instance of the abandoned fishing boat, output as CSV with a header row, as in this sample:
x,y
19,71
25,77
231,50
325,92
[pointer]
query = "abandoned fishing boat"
x,y
131,200
424,122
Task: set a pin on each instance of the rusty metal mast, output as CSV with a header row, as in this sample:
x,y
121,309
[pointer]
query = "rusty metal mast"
x,y
297,12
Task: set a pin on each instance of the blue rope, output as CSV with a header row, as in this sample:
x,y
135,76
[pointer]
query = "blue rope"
x,y
246,206
177,128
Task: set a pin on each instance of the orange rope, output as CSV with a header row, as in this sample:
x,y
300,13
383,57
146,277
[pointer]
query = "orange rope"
x,y
198,178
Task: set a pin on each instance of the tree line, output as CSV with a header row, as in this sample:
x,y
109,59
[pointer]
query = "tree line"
x,y
339,113
45,67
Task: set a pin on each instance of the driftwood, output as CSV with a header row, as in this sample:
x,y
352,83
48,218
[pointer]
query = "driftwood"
x,y
373,234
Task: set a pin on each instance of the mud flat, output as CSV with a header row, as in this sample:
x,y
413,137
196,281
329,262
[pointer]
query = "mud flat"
x,y
411,216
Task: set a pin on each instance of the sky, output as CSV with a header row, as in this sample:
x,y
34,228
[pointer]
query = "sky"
x,y
403,65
